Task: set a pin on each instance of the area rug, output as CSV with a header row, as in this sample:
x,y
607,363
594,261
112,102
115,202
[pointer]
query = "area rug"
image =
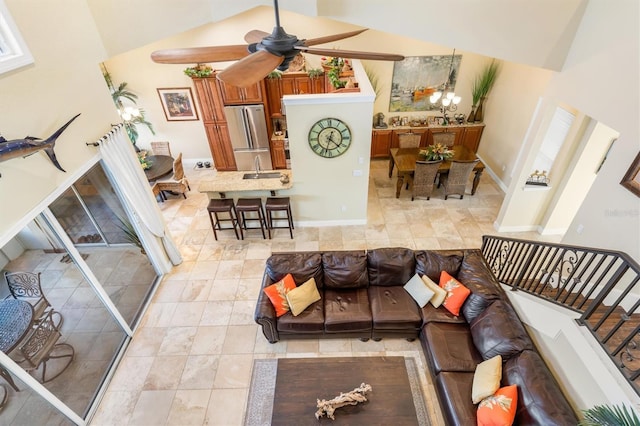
x,y
260,400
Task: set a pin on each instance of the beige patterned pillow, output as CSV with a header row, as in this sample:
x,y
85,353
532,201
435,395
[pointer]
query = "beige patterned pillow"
x,y
302,296
486,380
439,293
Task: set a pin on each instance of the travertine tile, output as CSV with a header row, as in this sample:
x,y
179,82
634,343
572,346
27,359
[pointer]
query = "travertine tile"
x,y
189,407
234,371
152,407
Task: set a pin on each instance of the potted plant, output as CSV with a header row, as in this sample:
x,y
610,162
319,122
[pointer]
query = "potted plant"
x,y
199,71
480,88
605,415
315,72
436,152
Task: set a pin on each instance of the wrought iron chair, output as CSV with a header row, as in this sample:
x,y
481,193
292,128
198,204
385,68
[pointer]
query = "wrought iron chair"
x,y
424,178
444,138
178,183
455,182
42,345
161,148
408,140
26,286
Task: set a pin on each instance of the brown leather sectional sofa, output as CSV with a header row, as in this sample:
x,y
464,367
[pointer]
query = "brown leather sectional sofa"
x,y
363,297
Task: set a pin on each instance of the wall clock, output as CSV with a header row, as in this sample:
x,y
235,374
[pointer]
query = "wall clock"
x,y
329,137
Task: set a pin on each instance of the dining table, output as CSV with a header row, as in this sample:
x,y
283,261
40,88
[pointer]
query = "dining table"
x,y
16,319
161,165
404,160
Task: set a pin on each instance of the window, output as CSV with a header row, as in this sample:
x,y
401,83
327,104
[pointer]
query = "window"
x,y
13,50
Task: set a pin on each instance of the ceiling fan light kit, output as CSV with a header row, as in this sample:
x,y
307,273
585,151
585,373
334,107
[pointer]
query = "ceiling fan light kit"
x,y
264,53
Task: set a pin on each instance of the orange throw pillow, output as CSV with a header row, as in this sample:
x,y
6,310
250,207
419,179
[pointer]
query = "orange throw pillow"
x,y
456,293
277,293
500,408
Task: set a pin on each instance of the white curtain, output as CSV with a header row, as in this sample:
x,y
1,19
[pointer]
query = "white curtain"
x,y
122,162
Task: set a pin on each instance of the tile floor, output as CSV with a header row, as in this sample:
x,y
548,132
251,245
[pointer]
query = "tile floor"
x,y
190,360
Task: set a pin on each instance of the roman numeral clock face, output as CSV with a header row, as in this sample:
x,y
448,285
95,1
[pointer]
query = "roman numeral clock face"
x,y
329,137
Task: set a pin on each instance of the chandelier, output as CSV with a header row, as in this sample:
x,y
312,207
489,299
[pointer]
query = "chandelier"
x,y
445,98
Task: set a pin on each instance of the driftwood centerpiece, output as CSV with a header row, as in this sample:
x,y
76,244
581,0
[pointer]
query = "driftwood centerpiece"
x,y
350,398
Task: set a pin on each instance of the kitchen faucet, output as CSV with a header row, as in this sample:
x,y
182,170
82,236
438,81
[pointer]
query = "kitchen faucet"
x,y
257,165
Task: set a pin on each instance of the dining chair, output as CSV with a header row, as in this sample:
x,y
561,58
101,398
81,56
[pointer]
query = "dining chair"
x,y
424,178
161,148
408,140
444,138
178,183
455,182
26,286
42,345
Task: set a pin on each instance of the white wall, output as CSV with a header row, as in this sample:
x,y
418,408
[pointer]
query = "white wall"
x,y
64,80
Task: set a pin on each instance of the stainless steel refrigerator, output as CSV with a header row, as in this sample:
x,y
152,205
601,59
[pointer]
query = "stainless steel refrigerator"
x,y
249,138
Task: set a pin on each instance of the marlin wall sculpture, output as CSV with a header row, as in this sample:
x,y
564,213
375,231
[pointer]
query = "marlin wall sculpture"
x,y
30,145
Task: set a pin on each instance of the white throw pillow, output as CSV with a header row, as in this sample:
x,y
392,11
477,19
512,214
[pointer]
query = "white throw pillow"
x,y
418,290
439,293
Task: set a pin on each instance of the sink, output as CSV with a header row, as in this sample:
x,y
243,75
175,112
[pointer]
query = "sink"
x,y
274,175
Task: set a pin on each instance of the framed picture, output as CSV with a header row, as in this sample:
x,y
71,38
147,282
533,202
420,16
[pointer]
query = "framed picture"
x,y
631,179
177,103
416,78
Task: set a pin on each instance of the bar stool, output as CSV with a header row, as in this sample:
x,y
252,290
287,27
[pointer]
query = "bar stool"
x,y
250,205
223,205
279,204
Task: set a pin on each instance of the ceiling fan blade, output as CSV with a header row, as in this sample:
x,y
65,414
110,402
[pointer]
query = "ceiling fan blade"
x,y
334,37
190,55
255,36
352,54
251,69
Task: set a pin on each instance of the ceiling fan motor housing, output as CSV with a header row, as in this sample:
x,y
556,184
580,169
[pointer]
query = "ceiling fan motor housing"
x,y
281,44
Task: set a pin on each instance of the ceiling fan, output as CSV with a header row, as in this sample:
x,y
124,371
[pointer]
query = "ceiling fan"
x,y
263,53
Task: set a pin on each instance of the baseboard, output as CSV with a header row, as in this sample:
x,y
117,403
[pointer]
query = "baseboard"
x,y
551,231
523,228
323,223
495,177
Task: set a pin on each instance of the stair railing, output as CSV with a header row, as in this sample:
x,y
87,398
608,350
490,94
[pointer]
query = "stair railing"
x,y
602,285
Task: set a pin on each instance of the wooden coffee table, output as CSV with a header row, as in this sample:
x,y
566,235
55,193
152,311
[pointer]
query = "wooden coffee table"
x,y
301,381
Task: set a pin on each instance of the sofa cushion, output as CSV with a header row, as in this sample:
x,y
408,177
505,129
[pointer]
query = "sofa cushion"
x,y
457,293
454,394
476,275
449,347
311,320
392,308
277,294
390,266
499,409
431,314
432,262
540,400
418,290
474,306
498,331
347,310
345,269
302,265
486,379
302,296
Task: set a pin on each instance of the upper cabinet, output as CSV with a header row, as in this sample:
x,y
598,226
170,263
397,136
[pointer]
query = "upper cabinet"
x,y
294,83
233,95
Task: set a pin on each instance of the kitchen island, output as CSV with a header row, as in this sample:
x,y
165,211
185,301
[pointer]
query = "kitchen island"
x,y
222,183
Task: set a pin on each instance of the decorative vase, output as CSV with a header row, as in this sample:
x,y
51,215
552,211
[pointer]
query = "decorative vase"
x,y
472,115
480,112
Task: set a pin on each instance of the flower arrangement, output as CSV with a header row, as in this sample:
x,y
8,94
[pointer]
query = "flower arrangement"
x,y
146,164
436,152
200,70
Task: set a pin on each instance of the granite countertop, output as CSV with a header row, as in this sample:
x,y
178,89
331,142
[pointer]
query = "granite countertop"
x,y
233,181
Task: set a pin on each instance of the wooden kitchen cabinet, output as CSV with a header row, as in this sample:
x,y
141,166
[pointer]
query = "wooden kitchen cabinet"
x,y
471,138
278,156
459,132
380,142
215,122
233,95
295,83
220,146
